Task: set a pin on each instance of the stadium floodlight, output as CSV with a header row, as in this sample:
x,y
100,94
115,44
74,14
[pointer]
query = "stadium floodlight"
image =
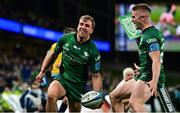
x,y
9,25
42,33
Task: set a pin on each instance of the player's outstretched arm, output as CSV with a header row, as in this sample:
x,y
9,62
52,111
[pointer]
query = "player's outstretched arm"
x,y
48,60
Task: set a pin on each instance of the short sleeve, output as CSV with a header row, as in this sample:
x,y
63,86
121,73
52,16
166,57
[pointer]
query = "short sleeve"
x,y
152,44
95,61
60,43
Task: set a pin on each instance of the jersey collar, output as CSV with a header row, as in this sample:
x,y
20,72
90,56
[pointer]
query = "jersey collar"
x,y
75,36
147,28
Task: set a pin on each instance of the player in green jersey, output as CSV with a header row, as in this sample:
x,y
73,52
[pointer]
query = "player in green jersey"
x,y
151,77
78,53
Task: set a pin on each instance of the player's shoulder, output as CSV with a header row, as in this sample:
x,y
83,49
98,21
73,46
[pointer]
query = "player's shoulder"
x,y
151,32
71,34
152,35
154,31
92,44
67,37
93,47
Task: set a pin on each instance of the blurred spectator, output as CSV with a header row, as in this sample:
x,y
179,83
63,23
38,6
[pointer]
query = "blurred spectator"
x,y
25,70
167,22
178,31
106,80
168,16
33,99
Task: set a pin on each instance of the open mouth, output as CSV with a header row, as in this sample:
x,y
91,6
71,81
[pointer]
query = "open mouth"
x,y
83,31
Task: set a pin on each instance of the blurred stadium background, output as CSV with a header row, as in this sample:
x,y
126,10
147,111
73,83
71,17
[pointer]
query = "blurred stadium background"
x,y
29,27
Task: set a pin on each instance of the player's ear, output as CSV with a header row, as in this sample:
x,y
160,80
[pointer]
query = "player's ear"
x,y
91,30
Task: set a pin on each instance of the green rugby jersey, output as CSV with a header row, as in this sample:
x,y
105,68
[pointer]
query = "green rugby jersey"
x,y
151,40
76,58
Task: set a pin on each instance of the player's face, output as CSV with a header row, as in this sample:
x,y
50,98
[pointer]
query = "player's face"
x,y
129,76
84,28
136,19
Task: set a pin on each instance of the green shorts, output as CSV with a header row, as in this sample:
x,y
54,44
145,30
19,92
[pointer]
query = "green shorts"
x,y
148,77
73,90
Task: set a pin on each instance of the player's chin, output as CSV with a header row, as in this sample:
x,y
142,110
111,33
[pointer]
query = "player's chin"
x,y
83,35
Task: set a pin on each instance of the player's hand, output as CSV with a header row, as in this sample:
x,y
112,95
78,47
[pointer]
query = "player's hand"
x,y
137,69
40,76
106,107
153,87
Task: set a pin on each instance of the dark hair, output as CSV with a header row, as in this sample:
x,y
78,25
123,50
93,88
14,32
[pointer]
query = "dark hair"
x,y
69,30
88,17
142,6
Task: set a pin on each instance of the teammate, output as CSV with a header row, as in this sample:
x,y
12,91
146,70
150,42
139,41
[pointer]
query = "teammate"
x,y
151,76
78,52
55,68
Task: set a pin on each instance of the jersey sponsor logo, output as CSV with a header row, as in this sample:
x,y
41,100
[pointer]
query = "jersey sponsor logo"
x,y
75,47
152,40
166,99
97,65
154,47
86,54
73,60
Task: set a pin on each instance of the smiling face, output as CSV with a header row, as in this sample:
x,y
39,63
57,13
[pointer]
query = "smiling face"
x,y
85,28
141,16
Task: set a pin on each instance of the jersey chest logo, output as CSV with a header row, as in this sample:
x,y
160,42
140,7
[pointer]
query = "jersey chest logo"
x,y
86,54
76,47
66,47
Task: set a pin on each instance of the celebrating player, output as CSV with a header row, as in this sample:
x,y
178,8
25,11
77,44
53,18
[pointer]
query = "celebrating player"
x,y
151,76
78,52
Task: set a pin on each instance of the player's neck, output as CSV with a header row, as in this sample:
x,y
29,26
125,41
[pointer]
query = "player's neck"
x,y
82,39
146,26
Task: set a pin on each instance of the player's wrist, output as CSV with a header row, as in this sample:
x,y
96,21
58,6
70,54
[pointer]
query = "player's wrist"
x,y
43,71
